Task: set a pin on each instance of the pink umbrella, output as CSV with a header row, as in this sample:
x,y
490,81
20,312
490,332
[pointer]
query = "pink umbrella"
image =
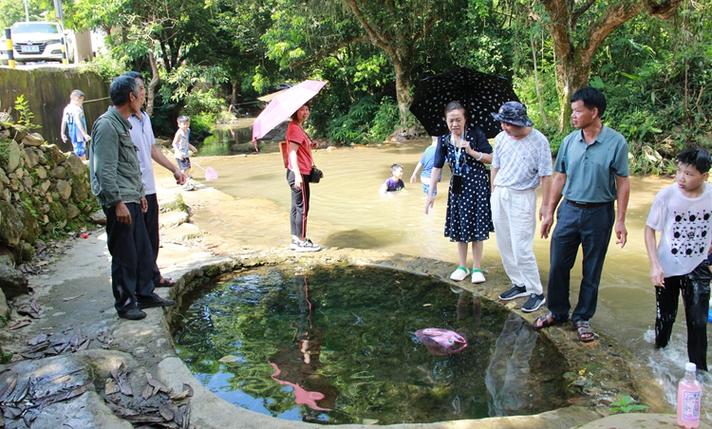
x,y
283,105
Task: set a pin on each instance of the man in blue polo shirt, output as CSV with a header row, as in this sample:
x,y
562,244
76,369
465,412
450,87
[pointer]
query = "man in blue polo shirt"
x,y
591,172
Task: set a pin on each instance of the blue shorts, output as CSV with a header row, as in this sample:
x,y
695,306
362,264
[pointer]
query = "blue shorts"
x,y
183,164
426,189
79,148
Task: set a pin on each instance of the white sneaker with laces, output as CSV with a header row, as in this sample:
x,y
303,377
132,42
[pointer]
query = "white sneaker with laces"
x,y
307,246
477,276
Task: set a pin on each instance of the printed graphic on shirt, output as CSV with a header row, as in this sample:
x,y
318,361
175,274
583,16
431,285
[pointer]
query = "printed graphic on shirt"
x,y
690,233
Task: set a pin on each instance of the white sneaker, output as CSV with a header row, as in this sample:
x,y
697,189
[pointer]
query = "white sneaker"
x,y
477,276
459,274
306,246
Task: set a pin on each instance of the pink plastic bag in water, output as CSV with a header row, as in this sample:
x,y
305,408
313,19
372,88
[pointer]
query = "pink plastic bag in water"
x,y
441,342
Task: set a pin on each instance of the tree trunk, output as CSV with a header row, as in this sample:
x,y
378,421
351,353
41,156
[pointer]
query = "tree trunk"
x,y
398,51
234,92
571,75
403,95
151,90
537,84
573,60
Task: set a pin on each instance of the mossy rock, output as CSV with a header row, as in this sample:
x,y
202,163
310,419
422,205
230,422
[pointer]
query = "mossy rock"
x,y
76,167
54,155
14,154
31,157
59,172
30,227
27,251
10,224
41,172
72,211
4,313
33,139
12,282
64,189
17,132
56,211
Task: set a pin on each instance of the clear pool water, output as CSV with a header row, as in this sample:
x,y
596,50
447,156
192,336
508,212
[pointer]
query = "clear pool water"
x,y
335,344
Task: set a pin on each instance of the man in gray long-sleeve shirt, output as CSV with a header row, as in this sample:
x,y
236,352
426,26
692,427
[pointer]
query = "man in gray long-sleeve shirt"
x,y
115,176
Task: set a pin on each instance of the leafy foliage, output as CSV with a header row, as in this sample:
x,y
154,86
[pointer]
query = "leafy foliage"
x,y
369,120
626,404
213,53
24,114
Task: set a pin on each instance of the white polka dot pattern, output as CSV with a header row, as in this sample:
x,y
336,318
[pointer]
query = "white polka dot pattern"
x,y
480,94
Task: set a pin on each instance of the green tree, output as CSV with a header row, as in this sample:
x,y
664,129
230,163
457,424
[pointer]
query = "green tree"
x,y
12,11
396,27
579,28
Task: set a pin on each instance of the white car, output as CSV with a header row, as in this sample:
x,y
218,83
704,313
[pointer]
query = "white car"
x,y
39,41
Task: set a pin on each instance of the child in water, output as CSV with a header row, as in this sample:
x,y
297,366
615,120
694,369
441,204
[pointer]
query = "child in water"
x,y
426,163
682,214
395,182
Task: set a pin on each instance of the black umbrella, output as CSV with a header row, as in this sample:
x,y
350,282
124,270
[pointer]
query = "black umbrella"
x,y
480,94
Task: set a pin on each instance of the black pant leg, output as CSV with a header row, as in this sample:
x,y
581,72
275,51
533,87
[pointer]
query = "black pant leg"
x,y
565,242
300,206
596,227
666,309
120,241
151,221
145,260
695,297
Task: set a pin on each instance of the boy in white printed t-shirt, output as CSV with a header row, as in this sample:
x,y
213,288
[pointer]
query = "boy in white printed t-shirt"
x,y
682,213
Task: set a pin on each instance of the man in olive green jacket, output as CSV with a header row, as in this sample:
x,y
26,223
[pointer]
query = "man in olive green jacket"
x,y
115,176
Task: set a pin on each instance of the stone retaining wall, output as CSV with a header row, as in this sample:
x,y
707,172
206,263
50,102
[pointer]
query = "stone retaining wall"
x,y
43,192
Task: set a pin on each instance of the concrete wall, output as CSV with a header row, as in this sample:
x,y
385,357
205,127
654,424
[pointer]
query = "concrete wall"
x,y
82,43
47,90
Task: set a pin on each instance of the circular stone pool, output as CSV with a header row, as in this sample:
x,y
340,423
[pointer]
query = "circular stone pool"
x,y
336,344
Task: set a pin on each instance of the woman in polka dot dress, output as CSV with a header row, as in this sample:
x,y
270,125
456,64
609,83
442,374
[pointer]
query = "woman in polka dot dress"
x,y
468,218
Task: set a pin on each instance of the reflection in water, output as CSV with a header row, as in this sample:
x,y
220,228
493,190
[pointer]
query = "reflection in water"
x,y
508,377
297,365
341,349
346,211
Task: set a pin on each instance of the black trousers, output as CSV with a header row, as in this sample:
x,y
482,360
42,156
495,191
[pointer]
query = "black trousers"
x,y
695,298
590,228
151,221
131,258
300,206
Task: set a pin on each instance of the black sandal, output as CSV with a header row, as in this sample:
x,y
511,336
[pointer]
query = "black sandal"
x,y
584,332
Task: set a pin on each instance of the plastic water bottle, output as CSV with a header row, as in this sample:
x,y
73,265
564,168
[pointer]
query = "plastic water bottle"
x,y
709,312
689,398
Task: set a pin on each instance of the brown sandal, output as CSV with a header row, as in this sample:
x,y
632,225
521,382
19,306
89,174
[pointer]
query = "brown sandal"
x,y
584,332
545,321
